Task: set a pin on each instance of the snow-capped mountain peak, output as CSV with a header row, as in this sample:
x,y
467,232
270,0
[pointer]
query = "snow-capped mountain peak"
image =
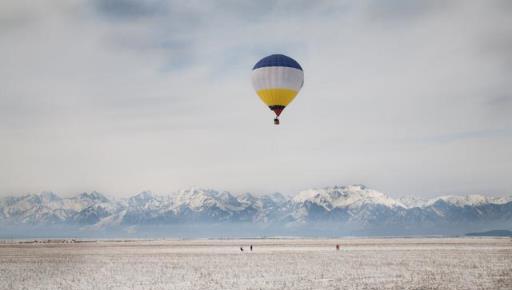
x,y
345,196
195,197
468,200
93,196
48,196
142,197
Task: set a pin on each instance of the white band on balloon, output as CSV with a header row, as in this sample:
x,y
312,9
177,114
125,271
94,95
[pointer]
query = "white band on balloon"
x,y
271,77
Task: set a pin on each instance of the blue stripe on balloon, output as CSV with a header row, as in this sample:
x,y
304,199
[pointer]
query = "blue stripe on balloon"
x,y
277,60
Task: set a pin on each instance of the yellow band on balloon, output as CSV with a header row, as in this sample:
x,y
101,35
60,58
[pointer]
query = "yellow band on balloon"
x,y
277,97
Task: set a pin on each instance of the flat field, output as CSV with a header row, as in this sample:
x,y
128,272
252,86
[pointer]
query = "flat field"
x,y
394,263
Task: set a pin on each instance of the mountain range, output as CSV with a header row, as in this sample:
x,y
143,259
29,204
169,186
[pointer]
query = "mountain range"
x,y
338,210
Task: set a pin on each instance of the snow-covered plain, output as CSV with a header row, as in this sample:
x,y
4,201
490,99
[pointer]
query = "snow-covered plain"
x,y
394,263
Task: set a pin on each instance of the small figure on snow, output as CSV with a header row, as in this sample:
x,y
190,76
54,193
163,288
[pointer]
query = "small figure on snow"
x,y
251,248
337,247
241,249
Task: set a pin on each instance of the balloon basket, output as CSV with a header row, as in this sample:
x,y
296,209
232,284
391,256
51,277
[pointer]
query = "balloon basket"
x,y
276,121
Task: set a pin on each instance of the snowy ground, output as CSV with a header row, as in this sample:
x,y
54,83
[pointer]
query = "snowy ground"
x,y
433,263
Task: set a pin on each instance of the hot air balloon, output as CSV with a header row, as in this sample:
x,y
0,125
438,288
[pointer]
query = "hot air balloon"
x,y
277,79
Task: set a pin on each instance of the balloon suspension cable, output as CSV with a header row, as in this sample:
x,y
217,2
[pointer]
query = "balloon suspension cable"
x,y
276,121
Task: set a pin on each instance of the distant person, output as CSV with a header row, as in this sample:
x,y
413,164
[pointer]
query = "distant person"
x,y
241,249
337,247
251,248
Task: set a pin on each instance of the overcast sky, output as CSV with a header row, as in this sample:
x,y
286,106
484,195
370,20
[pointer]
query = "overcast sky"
x,y
407,97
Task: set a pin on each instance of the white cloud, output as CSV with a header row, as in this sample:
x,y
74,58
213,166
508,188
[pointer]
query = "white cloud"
x,y
121,96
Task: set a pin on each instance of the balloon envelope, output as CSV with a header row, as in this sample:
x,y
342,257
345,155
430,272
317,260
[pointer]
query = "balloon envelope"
x,y
277,79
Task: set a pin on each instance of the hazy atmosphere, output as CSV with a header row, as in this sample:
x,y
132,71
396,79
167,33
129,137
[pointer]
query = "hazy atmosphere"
x,y
411,97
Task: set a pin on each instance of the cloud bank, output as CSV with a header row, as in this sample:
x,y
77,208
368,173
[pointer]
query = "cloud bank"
x,y
123,95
